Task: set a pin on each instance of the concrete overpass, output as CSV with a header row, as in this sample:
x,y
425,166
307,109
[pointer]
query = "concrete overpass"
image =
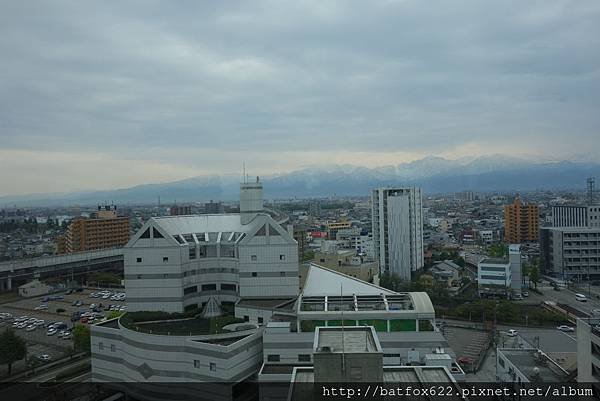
x,y
16,272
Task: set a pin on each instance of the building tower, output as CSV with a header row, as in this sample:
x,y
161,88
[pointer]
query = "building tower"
x,y
521,222
251,201
591,183
397,221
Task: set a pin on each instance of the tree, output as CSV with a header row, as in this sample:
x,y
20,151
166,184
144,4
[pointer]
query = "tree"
x,y
534,275
12,348
81,338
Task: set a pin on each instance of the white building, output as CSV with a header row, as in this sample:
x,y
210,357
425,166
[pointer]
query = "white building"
x,y
497,276
398,230
177,263
576,216
588,351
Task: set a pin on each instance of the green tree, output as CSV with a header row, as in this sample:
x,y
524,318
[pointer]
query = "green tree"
x,y
499,251
460,261
12,348
534,275
81,338
114,314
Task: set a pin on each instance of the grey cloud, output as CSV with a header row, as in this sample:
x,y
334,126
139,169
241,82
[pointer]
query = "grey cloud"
x,y
297,76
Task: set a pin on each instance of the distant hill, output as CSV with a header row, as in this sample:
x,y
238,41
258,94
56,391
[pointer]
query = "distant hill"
x,y
433,174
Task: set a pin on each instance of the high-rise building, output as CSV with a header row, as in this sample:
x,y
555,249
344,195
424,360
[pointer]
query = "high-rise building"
x,y
576,216
104,229
397,220
521,222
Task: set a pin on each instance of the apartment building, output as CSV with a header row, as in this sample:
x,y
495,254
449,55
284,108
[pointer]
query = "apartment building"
x,y
521,222
397,221
570,252
104,229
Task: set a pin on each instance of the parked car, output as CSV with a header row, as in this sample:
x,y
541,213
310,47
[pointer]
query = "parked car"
x,y
512,333
51,332
31,327
43,357
566,329
518,297
525,294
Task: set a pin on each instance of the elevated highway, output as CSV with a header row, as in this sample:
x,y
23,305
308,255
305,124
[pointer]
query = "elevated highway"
x,y
20,271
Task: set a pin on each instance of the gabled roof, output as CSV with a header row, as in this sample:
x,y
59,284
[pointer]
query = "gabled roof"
x,y
322,281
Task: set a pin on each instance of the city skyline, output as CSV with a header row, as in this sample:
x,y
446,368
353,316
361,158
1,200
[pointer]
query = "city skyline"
x,y
145,93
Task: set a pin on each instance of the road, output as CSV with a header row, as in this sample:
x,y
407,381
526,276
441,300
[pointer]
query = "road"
x,y
565,296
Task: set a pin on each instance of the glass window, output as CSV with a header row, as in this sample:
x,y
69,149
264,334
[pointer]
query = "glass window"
x,y
253,258
304,358
273,358
146,234
138,260
254,274
196,363
281,257
157,233
213,367
165,259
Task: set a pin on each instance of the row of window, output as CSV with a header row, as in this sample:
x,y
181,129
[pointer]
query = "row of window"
x,y
277,358
254,258
204,254
211,366
209,287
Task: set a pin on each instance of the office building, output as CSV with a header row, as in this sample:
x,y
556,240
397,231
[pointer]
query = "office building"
x,y
570,252
104,229
397,222
500,277
521,222
576,216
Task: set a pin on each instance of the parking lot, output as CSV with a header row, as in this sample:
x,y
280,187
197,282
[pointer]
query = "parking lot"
x,y
57,310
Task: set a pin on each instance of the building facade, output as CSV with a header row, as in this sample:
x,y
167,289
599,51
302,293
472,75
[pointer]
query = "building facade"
x,y
576,216
501,277
177,263
104,229
570,252
521,222
397,221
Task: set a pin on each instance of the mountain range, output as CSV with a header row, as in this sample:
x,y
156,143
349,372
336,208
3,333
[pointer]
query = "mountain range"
x,y
433,174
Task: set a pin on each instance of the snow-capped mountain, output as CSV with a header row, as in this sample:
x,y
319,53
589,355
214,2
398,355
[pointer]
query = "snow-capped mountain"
x,y
433,174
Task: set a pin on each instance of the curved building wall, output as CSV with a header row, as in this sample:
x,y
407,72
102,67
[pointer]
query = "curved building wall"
x,y
123,355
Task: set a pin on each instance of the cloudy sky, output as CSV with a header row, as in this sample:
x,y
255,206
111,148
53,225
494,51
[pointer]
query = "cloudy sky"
x,y
109,94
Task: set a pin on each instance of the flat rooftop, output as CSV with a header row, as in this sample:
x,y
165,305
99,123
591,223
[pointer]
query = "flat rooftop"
x,y
537,367
268,303
391,374
350,339
494,261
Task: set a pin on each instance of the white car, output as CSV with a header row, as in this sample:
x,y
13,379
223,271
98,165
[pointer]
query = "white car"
x,y
43,357
512,333
565,328
51,332
31,327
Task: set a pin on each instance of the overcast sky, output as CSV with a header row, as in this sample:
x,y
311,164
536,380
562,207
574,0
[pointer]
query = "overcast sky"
x,y
109,94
